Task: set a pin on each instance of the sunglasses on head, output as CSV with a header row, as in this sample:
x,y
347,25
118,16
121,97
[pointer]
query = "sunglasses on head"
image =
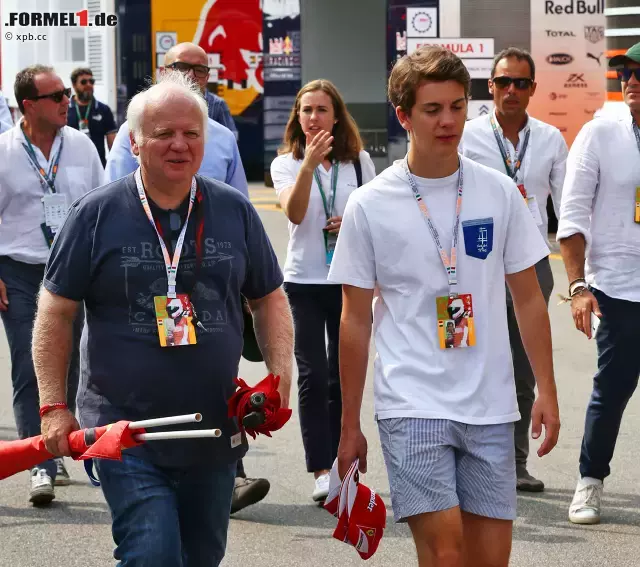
x,y
520,83
55,97
200,71
85,81
625,74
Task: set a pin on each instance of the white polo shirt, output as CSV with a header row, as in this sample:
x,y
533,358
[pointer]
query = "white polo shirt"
x,y
598,201
543,168
306,255
385,241
21,208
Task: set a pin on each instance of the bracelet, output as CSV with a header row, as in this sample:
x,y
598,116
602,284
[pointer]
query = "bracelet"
x,y
577,284
45,409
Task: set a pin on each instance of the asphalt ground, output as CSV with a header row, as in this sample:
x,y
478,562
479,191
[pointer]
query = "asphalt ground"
x,y
287,529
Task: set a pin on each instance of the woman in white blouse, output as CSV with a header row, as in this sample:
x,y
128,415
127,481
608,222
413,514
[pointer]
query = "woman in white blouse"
x,y
319,165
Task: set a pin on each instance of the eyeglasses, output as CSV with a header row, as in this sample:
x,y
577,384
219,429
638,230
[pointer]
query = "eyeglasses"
x,y
83,82
55,97
520,83
200,71
625,74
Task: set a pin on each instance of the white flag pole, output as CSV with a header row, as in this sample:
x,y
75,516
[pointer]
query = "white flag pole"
x,y
162,421
195,434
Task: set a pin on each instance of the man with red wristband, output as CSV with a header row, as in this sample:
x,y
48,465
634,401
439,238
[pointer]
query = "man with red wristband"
x,y
161,259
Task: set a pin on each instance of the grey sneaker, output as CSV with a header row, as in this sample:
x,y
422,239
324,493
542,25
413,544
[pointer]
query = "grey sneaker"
x,y
62,474
248,491
41,493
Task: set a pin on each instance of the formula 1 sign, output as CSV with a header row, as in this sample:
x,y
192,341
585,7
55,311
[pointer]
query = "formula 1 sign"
x,y
463,48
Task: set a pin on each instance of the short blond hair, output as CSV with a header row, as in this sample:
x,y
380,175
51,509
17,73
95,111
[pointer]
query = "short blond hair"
x,y
428,63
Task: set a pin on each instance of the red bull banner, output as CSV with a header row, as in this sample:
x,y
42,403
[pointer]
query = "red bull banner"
x,y
230,31
282,70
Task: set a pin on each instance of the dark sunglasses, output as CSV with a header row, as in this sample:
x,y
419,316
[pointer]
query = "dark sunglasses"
x,y
85,81
200,71
625,74
520,83
55,97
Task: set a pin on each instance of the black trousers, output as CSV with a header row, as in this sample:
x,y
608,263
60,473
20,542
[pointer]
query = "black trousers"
x,y
316,315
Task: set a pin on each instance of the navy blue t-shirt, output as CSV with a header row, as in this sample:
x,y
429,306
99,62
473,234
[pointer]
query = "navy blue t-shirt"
x,y
108,255
101,123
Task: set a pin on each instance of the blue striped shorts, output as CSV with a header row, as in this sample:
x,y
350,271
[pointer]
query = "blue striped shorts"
x,y
437,464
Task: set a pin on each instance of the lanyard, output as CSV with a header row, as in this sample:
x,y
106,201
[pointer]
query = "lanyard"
x,y
86,114
170,264
636,131
47,179
328,210
449,263
506,157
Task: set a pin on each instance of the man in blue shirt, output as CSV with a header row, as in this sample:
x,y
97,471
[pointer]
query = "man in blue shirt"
x,y
162,341
221,157
191,59
89,115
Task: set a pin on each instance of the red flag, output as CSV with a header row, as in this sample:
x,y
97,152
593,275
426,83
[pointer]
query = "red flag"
x,y
240,405
105,442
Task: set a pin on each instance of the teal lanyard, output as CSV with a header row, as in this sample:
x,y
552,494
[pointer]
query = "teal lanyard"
x,y
86,114
328,209
47,178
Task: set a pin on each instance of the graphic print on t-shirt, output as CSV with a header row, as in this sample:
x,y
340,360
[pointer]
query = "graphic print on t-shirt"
x,y
144,264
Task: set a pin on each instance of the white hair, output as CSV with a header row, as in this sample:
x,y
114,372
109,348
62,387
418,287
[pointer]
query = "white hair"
x,y
170,84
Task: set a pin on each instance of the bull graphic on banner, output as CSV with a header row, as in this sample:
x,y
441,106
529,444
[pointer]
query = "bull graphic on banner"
x,y
233,30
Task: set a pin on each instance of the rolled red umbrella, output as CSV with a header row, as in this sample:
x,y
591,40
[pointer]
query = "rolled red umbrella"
x,y
105,442
262,401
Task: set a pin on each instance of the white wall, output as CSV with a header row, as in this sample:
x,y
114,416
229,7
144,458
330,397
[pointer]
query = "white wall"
x,y
345,41
56,49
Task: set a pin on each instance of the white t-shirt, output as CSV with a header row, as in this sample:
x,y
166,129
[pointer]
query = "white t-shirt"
x,y
306,255
385,241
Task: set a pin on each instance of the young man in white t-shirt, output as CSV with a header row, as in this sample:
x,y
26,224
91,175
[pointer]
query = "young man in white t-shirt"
x,y
445,397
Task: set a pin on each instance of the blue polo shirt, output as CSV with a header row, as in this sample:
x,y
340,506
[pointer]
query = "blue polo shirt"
x,y
107,254
101,123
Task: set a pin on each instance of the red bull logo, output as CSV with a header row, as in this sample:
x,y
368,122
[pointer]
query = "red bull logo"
x,y
232,29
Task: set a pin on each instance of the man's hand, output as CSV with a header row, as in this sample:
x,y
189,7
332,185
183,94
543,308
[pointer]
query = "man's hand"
x,y
545,412
56,426
284,396
582,305
4,300
353,445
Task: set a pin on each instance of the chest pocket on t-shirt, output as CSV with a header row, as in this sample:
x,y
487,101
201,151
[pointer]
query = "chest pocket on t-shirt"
x,y
478,237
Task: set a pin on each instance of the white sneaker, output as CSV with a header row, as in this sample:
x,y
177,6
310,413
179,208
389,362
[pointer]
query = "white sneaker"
x,y
41,492
585,508
321,490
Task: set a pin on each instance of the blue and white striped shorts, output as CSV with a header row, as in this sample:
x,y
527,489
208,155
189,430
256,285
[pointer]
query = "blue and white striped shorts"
x,y
437,464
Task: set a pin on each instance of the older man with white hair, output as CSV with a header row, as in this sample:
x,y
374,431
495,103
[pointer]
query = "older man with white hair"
x,y
128,250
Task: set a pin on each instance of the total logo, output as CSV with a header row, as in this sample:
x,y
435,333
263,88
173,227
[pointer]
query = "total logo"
x,y
559,33
557,96
559,59
575,81
574,7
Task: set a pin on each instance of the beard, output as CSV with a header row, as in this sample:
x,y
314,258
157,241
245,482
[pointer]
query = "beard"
x,y
84,96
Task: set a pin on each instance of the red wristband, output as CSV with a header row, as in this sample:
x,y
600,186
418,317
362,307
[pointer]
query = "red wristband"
x,y
45,409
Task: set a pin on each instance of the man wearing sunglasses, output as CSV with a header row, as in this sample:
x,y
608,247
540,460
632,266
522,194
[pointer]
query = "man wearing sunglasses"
x,y
89,115
599,235
44,167
221,156
534,155
192,60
